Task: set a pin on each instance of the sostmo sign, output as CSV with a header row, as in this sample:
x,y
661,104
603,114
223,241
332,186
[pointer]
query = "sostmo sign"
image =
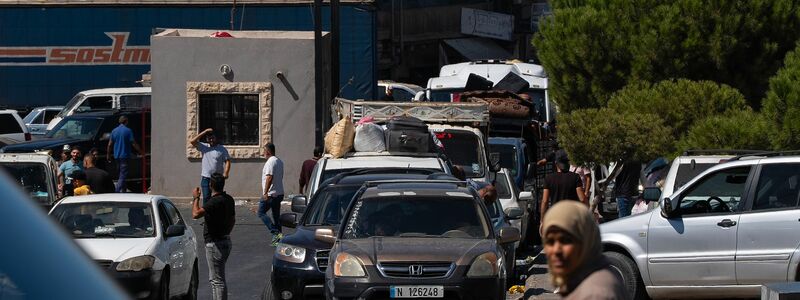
x,y
119,53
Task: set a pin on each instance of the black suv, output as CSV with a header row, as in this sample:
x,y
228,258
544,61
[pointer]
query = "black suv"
x,y
416,239
93,129
299,262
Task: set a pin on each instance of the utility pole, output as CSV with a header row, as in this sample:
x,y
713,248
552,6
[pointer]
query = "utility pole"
x,y
320,119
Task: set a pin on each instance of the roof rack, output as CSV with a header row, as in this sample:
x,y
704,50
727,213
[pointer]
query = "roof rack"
x,y
720,151
378,182
767,154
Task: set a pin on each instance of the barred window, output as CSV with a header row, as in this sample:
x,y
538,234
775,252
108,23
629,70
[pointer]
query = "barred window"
x,y
234,117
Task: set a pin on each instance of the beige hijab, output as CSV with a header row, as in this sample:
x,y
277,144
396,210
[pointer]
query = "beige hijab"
x,y
576,219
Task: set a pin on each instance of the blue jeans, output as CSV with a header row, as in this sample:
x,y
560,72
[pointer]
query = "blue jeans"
x,y
204,186
122,165
271,203
217,253
624,206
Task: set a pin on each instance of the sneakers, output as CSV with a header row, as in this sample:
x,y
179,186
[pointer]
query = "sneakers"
x,y
276,238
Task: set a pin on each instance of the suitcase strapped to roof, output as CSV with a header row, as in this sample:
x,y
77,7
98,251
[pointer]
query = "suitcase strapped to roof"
x,y
408,134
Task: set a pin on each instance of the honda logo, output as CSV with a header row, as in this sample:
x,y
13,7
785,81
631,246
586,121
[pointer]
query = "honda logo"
x,y
415,270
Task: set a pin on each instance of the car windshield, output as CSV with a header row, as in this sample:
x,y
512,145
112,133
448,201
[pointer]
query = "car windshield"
x,y
457,146
32,177
30,116
106,219
78,128
508,157
72,104
688,171
329,205
501,184
395,216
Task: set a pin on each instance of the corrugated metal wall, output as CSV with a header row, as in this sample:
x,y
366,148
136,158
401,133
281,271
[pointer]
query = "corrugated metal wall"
x,y
26,79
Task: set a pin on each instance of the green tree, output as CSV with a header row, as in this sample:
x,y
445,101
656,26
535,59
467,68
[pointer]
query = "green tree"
x,y
605,135
742,129
679,103
782,104
592,48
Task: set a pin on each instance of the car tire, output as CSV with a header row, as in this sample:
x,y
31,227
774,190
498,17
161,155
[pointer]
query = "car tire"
x,y
269,291
511,269
163,286
191,294
632,280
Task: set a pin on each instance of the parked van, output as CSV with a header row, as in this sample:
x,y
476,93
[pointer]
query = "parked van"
x,y
104,99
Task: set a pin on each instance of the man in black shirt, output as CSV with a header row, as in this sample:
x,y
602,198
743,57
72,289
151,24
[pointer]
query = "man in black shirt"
x,y
219,213
98,179
561,185
626,187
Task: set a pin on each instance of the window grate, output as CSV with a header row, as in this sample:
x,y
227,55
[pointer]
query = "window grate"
x,y
234,117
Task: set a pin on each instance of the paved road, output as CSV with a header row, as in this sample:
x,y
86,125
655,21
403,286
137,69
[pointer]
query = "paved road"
x,y
250,262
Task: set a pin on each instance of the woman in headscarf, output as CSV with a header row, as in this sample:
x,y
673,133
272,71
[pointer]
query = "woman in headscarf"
x,y
578,268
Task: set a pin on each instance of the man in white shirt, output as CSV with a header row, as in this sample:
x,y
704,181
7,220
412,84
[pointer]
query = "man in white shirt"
x,y
272,189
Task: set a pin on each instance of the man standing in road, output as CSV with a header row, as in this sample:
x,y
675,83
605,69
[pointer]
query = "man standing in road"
x,y
626,187
215,159
561,185
66,169
220,216
272,188
308,167
121,141
97,178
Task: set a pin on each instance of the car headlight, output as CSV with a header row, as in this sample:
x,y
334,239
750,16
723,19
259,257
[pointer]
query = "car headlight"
x,y
136,264
347,265
485,265
289,253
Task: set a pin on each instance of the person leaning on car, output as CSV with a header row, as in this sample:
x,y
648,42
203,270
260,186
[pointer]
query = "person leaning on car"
x,y
220,216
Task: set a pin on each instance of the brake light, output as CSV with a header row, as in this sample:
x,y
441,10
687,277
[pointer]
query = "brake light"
x,y
27,136
456,97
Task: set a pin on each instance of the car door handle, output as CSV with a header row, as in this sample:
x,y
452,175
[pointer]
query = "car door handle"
x,y
726,223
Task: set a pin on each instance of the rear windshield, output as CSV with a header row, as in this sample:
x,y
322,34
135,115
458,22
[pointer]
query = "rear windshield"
x,y
463,149
508,157
32,177
390,216
328,205
9,124
686,172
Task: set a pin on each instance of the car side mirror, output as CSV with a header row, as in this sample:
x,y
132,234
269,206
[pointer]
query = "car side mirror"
x,y
525,196
289,220
508,235
419,96
666,208
175,230
299,204
494,161
651,194
325,235
513,213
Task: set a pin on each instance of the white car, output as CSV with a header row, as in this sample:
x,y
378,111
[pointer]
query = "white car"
x,y
509,196
12,128
38,118
141,240
104,99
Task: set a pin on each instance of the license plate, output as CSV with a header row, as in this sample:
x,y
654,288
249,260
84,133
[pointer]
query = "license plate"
x,y
416,291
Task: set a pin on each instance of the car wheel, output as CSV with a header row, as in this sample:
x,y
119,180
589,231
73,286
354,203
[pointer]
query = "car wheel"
x,y
269,291
511,269
163,287
631,278
191,294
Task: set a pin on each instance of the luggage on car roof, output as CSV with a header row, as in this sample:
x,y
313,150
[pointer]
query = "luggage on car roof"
x,y
408,134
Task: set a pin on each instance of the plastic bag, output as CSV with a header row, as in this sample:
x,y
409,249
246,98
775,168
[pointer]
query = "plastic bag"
x,y
639,207
369,138
339,139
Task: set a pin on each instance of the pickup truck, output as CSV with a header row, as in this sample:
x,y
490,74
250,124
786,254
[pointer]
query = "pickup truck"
x,y
93,130
458,126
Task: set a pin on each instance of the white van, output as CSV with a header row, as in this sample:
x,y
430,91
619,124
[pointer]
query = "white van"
x,y
104,99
